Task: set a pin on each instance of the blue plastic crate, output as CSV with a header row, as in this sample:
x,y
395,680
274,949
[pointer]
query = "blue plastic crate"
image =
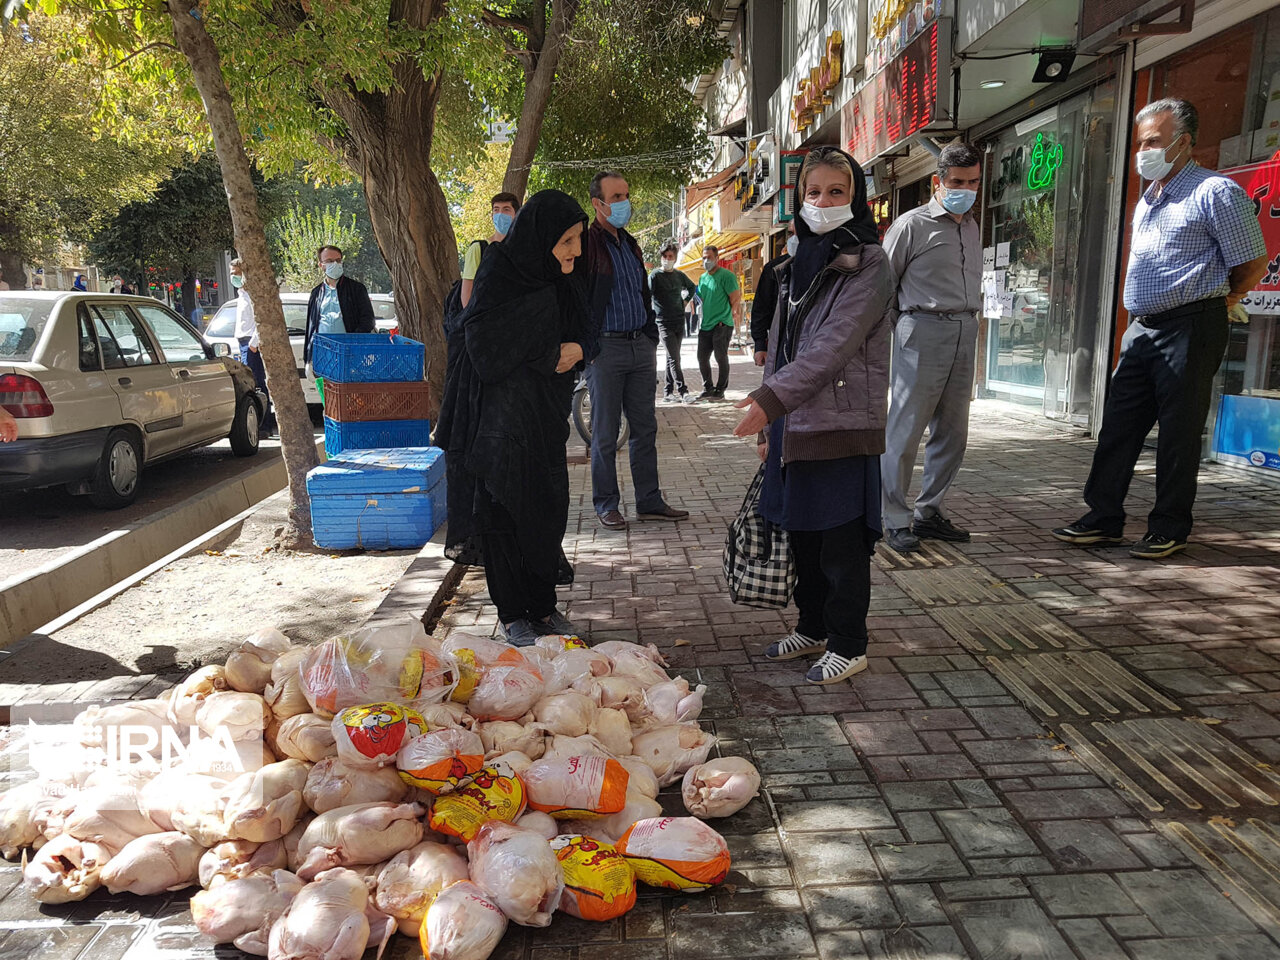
x,y
378,499
374,434
366,358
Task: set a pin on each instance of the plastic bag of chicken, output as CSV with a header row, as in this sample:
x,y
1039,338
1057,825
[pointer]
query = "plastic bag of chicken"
x,y
441,761
598,882
370,735
462,923
395,661
680,853
494,793
576,788
518,870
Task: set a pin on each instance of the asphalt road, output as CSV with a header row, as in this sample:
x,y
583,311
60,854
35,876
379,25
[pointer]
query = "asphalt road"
x,y
39,526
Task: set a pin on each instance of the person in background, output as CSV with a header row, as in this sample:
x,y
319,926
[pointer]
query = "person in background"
x,y
721,310
622,358
1197,249
766,299
504,420
247,336
79,283
8,427
819,415
502,211
672,292
337,304
935,252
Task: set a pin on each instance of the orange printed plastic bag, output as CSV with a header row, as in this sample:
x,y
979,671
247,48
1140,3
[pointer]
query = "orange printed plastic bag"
x,y
598,882
370,735
494,793
575,788
442,760
680,853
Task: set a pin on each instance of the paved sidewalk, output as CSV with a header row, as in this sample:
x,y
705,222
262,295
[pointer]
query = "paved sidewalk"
x,y
1055,754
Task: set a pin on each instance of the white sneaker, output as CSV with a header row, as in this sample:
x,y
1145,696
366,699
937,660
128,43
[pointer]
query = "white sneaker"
x,y
688,399
832,668
793,645
670,398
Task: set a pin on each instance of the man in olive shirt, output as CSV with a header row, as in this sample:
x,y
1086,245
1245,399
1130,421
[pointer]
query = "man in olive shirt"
x,y
672,292
721,308
935,252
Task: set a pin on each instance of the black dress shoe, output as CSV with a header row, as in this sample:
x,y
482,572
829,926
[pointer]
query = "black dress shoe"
x,y
665,512
1082,535
939,527
613,520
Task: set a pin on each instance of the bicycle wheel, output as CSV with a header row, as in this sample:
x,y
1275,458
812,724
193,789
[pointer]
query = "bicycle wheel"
x,y
582,419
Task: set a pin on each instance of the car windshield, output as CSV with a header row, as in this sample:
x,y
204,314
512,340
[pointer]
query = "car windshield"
x,y
384,309
21,321
223,323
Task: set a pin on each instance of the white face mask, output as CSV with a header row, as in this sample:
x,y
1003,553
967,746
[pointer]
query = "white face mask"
x,y
793,244
1152,164
825,219
668,266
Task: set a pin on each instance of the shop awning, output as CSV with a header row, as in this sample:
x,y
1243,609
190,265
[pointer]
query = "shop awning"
x,y
727,243
695,193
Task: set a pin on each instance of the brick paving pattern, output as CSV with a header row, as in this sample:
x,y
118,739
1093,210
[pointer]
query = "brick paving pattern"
x,y
1056,754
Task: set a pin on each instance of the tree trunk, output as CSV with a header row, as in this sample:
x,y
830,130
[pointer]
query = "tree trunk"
x,y
189,300
538,83
297,440
11,255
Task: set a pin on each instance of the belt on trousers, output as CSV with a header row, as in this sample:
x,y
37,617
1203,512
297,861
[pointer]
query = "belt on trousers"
x,y
622,334
244,341
944,314
1180,313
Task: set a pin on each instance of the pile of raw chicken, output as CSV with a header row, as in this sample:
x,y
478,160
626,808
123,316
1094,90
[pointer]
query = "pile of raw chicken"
x,y
326,796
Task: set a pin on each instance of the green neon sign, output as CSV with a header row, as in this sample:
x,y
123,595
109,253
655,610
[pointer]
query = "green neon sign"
x,y
1044,165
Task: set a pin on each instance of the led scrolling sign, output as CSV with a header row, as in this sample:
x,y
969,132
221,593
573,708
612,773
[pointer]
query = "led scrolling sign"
x,y
900,100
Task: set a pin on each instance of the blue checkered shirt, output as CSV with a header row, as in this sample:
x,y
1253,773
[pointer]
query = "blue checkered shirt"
x,y
1187,239
626,310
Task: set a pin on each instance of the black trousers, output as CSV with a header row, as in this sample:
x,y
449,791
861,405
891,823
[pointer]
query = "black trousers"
x,y
833,585
714,340
517,590
671,333
1165,376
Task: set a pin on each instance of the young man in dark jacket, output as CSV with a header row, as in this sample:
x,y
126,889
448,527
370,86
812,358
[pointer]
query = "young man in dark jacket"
x,y
622,358
338,304
672,293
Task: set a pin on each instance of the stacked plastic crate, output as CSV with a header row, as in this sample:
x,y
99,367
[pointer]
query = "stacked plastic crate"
x,y
383,485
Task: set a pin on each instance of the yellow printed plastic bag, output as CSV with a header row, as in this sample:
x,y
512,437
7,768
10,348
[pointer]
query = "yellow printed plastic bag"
x,y
680,853
598,882
494,793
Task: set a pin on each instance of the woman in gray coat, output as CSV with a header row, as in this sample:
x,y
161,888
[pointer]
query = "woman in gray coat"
x,y
819,416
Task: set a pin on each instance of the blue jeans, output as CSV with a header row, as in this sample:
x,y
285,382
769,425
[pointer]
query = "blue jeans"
x,y
253,360
622,378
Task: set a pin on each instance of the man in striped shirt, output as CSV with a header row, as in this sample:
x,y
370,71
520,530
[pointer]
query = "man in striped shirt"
x,y
622,360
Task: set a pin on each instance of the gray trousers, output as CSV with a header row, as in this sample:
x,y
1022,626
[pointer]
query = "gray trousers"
x,y
933,366
621,378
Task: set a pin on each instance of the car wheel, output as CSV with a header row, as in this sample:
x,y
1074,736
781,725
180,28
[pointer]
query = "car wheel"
x,y
244,430
115,482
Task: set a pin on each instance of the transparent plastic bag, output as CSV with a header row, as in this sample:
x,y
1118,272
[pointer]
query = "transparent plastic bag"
x,y
462,923
518,870
680,853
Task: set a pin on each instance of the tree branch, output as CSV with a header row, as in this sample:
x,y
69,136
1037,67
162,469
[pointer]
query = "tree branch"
x,y
156,44
507,23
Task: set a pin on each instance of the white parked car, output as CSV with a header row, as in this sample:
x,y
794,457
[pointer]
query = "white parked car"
x,y
384,313
103,384
222,329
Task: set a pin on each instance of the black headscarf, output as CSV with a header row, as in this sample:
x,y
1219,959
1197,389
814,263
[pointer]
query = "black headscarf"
x,y
815,250
504,421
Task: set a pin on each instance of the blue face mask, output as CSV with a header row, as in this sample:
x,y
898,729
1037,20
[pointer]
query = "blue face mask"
x,y
957,201
502,222
619,214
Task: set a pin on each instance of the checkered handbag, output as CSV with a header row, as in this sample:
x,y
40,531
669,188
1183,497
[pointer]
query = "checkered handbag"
x,y
757,555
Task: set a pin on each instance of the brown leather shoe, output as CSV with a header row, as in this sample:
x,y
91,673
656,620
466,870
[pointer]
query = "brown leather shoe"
x,y
666,512
613,520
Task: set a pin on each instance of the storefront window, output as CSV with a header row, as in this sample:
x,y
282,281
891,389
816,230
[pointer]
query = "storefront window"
x,y
1045,208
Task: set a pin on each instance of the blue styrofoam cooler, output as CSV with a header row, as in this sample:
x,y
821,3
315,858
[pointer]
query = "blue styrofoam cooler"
x,y
378,499
340,437
366,358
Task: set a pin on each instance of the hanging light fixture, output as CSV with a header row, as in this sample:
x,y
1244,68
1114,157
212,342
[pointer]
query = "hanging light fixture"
x,y
1054,66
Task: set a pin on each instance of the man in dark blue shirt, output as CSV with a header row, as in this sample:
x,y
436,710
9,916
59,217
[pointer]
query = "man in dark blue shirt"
x,y
623,360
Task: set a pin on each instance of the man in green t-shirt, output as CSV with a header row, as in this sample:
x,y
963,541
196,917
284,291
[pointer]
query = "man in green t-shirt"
x,y
721,308
502,209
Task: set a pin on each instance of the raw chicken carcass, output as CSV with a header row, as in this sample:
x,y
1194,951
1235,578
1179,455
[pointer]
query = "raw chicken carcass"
x,y
518,870
236,859
624,648
612,827
265,805
306,736
540,823
187,697
64,870
462,924
565,714
227,759
569,668
612,728
108,815
720,787
673,702
446,714
502,736
198,807
292,839
284,693
50,812
506,692
363,833
621,693
331,785
248,668
643,780
327,920
670,751
584,746
96,725
239,716
153,864
244,910
412,878
17,826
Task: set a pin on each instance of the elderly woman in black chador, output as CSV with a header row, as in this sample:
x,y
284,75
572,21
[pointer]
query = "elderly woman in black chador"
x,y
504,422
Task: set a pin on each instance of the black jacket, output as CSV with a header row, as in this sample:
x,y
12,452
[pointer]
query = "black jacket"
x,y
357,311
764,302
600,285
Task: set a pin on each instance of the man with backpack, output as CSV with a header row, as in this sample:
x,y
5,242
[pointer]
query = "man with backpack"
x,y
502,210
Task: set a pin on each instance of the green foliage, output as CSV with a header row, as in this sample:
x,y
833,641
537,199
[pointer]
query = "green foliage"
x,y
297,236
362,261
470,193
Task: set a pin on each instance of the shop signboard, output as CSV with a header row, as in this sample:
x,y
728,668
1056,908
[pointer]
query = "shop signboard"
x,y
1248,431
907,96
815,91
1261,181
